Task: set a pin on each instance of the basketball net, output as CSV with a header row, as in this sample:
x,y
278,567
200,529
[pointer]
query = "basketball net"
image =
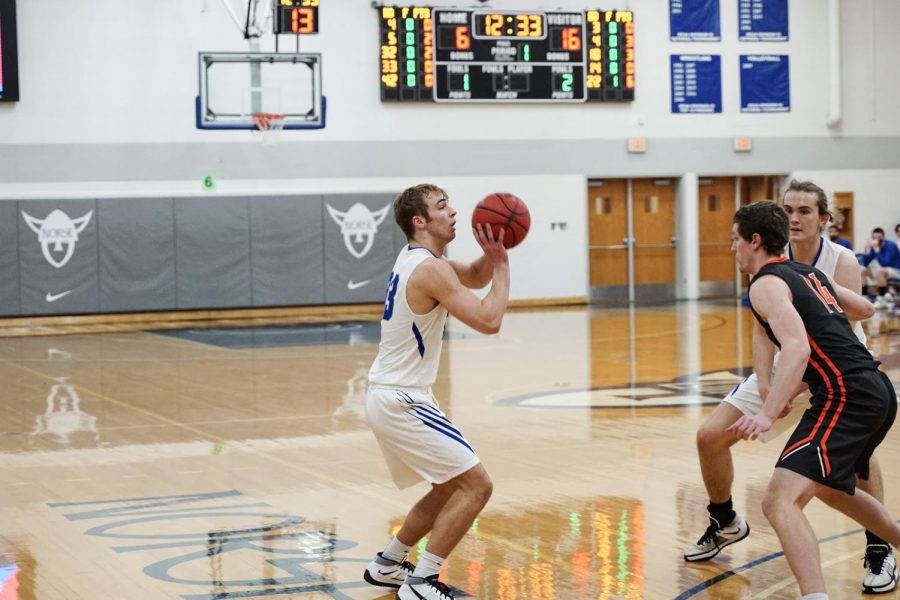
x,y
270,125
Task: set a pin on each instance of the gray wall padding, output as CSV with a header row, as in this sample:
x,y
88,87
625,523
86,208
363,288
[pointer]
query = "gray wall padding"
x,y
9,259
359,246
212,252
287,251
58,263
137,254
145,254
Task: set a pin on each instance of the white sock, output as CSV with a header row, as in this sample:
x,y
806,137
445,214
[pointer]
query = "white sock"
x,y
817,596
429,564
396,550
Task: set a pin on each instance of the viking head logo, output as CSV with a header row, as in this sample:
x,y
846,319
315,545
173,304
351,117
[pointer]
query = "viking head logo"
x,y
358,226
60,231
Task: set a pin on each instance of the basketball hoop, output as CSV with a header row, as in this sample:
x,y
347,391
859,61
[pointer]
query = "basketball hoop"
x,y
270,125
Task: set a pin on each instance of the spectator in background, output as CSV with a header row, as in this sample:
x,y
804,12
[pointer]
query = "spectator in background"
x,y
887,255
834,234
897,232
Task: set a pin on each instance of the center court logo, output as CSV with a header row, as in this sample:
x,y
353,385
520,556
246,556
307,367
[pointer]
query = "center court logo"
x,y
58,231
358,226
690,390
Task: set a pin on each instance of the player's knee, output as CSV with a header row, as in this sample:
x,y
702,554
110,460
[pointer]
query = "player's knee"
x,y
778,506
486,490
772,506
768,507
483,488
477,485
712,439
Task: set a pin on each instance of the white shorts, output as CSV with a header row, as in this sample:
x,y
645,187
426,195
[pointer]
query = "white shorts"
x,y
892,272
417,439
745,396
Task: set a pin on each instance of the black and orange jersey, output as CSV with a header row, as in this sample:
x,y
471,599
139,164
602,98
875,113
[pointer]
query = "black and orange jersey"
x,y
834,348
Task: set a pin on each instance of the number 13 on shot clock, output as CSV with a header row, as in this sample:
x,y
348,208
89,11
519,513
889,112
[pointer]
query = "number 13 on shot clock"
x,y
300,17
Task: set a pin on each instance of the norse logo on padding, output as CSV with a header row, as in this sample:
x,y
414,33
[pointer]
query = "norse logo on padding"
x,y
57,234
358,226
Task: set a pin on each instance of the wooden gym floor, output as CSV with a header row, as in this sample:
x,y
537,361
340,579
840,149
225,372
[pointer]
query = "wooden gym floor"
x,y
236,463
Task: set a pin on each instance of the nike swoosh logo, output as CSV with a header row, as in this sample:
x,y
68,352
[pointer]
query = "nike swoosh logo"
x,y
54,297
355,285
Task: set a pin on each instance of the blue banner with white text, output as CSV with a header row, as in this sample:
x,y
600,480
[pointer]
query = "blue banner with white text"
x,y
763,20
696,83
694,21
765,83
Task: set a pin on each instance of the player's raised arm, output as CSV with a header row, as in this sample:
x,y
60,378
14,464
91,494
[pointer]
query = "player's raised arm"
x,y
439,280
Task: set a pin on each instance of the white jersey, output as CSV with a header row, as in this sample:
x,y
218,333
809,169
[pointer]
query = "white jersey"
x,y
410,347
826,261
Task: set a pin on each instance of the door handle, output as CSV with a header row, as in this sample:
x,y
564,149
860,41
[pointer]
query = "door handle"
x,y
609,247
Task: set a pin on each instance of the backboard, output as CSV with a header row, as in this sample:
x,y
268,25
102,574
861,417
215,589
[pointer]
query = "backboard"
x,y
235,85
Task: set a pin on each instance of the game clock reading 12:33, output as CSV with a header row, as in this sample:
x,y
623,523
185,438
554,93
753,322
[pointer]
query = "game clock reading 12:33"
x,y
457,55
300,17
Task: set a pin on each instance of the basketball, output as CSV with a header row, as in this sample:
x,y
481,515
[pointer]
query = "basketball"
x,y
503,211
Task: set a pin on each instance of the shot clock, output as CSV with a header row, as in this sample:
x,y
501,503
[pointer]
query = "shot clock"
x,y
300,17
455,55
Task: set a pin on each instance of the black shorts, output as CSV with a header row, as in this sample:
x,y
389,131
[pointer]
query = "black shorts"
x,y
836,436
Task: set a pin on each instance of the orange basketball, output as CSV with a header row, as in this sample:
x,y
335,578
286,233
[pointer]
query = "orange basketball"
x,y
504,211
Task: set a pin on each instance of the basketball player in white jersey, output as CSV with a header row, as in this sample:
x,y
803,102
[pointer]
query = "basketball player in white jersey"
x,y
807,207
417,439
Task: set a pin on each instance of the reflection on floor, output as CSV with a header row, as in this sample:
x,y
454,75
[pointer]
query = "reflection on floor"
x,y
275,336
140,465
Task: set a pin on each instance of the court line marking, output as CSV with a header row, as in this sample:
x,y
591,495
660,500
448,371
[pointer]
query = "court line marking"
x,y
705,585
241,447
766,593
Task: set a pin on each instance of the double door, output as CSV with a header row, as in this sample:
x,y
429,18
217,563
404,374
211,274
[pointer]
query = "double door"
x,y
632,240
633,236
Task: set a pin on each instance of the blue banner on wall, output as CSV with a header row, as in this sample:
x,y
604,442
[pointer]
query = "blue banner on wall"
x,y
763,20
765,83
696,83
694,21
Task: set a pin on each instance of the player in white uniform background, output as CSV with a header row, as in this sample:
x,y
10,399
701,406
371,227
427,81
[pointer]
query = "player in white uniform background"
x,y
417,439
807,208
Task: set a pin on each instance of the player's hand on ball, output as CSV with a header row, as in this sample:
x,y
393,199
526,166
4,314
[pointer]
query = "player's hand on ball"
x,y
503,211
493,248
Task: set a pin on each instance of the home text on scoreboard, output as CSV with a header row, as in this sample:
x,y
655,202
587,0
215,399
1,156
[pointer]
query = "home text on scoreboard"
x,y
460,55
300,17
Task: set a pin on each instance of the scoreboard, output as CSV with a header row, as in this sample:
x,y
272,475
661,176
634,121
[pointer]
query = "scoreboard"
x,y
9,61
482,55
